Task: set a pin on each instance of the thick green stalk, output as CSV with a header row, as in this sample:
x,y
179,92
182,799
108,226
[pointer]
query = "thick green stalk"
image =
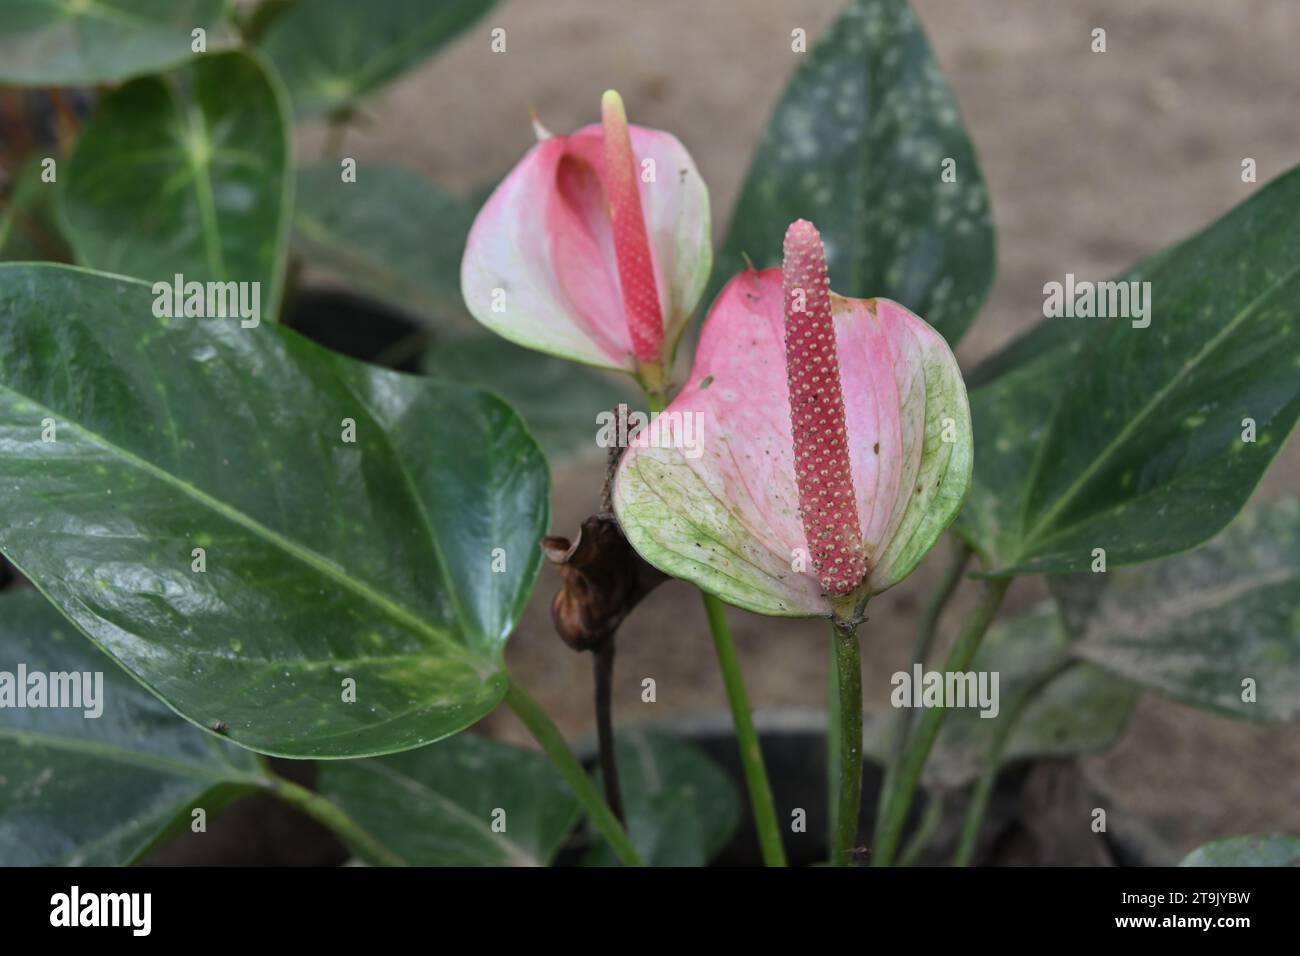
x,y
333,817
848,700
925,631
984,789
553,744
832,741
751,755
894,815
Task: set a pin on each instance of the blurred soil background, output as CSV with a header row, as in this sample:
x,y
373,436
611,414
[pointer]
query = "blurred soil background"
x,y
1093,161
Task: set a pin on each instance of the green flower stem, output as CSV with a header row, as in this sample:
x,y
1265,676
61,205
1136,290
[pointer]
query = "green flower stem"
x,y
984,789
332,816
751,755
848,736
925,631
925,831
894,814
552,742
832,741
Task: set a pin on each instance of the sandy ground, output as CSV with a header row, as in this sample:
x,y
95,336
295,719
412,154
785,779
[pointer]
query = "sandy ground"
x,y
1092,160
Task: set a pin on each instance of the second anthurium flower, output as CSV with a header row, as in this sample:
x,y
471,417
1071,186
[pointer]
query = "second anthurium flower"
x,y
595,247
836,445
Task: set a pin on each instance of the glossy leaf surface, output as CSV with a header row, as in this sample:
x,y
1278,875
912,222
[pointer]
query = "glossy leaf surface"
x,y
1145,441
96,791
327,560
858,144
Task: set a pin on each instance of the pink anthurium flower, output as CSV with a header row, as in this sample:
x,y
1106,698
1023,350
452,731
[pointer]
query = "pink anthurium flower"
x,y
834,447
594,248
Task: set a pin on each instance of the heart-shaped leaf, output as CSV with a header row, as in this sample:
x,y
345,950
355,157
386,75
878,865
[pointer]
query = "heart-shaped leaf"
x,y
867,142
681,808
186,173
74,42
467,801
1145,441
334,52
557,399
1262,850
366,536
1198,626
98,790
390,234
1080,710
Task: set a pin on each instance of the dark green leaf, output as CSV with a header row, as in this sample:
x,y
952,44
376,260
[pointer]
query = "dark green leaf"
x,y
326,560
1099,434
857,146
1274,850
438,806
557,399
186,173
97,790
75,42
681,809
334,52
391,234
1196,626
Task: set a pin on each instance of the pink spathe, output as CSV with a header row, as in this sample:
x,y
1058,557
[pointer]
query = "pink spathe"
x,y
595,247
736,519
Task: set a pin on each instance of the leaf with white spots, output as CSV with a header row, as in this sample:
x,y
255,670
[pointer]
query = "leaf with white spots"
x,y
467,801
1197,627
358,525
858,145
187,172
97,791
1096,433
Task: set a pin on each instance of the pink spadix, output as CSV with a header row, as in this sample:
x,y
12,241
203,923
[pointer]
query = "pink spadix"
x,y
636,273
834,447
827,504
